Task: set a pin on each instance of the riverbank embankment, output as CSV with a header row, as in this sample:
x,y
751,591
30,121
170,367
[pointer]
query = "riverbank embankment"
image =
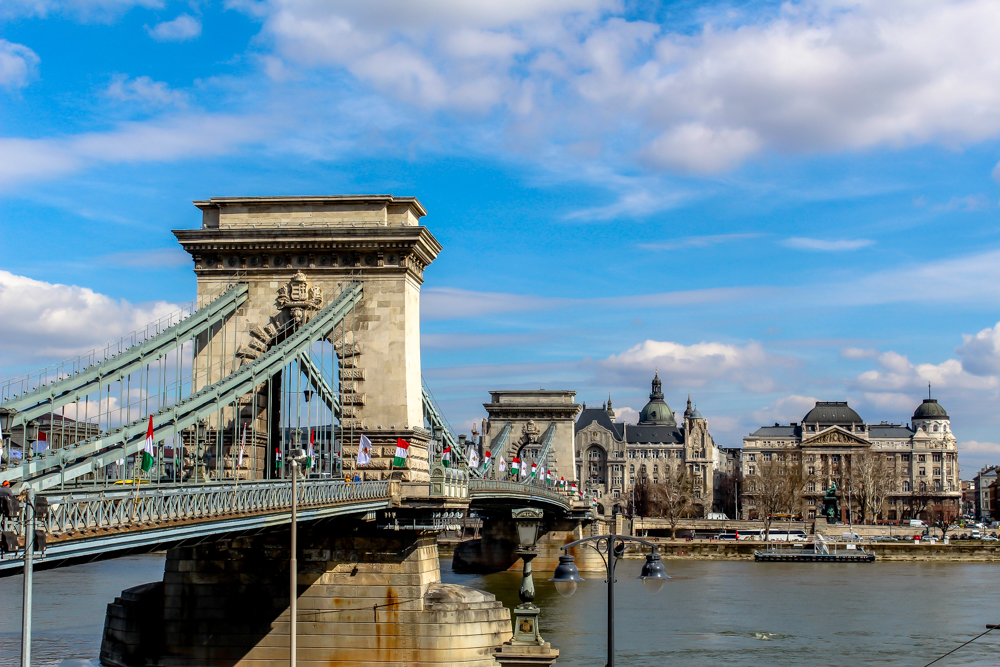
x,y
965,552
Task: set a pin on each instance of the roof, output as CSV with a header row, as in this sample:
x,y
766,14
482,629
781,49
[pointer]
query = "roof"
x,y
317,199
930,409
599,415
889,431
654,433
832,412
777,432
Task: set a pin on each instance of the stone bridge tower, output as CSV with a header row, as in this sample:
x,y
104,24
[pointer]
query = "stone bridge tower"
x,y
296,253
530,413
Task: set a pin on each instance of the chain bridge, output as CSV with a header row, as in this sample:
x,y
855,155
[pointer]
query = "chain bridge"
x,y
304,334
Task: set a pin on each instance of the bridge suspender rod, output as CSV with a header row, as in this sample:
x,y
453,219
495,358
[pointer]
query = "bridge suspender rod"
x,y
319,383
496,447
63,392
128,440
547,437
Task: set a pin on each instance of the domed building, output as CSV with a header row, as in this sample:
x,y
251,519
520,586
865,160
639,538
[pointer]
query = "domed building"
x,y
610,455
910,469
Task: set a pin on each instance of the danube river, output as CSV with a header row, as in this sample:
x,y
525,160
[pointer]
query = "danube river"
x,y
740,614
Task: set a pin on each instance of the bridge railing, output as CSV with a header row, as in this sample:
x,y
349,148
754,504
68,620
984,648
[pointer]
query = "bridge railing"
x,y
141,508
508,486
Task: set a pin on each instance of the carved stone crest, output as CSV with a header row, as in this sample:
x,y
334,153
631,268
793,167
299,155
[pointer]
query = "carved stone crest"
x,y
299,296
530,433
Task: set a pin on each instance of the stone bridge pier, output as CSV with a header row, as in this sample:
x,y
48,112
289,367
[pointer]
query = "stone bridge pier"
x,y
365,597
496,549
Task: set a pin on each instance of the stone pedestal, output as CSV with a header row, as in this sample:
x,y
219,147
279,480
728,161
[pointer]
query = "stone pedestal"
x,y
363,599
526,656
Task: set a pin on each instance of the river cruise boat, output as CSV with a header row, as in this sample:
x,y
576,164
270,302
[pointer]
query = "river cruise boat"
x,y
819,551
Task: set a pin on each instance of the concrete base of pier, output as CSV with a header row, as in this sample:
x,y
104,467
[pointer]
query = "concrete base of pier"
x,y
363,599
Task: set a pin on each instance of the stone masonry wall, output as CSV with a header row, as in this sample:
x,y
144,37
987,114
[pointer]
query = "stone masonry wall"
x,y
364,599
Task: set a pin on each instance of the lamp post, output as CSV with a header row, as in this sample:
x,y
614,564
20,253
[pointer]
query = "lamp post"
x,y
296,457
611,547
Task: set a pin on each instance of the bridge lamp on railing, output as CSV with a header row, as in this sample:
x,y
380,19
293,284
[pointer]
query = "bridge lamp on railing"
x,y
566,577
296,457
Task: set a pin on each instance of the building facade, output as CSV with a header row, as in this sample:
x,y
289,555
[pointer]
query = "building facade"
x,y
985,509
917,462
611,455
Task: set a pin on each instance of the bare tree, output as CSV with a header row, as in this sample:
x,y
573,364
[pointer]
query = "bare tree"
x,y
643,502
770,488
728,488
674,497
871,479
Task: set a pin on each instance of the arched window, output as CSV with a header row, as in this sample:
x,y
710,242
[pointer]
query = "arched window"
x,y
935,428
906,486
923,486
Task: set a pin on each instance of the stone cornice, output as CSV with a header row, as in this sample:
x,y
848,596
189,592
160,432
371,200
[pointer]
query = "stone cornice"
x,y
334,249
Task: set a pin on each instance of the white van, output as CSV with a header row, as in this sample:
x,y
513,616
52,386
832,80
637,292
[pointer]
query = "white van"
x,y
917,523
975,534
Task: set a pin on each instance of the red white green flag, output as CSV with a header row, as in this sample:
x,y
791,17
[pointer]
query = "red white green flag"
x,y
446,456
402,450
515,465
534,469
572,487
147,452
311,454
562,482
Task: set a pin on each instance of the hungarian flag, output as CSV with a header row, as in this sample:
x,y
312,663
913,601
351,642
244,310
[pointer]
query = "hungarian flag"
x,y
402,449
312,450
446,456
277,457
534,469
562,482
486,459
147,452
572,487
502,463
243,447
515,465
473,457
548,476
42,443
364,451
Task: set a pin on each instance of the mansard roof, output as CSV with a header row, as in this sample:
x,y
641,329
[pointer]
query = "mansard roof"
x,y
654,434
599,415
889,431
777,431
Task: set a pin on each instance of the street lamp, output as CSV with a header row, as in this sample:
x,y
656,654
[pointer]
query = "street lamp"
x,y
296,457
611,547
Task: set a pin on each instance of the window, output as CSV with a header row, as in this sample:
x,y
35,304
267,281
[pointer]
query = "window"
x,y
937,485
656,454
906,458
812,470
923,486
631,453
656,480
767,456
835,458
937,458
922,472
935,428
921,458
645,454
811,486
666,469
750,470
642,468
906,486
619,455
937,471
631,469
781,456
655,468
751,457
617,494
631,481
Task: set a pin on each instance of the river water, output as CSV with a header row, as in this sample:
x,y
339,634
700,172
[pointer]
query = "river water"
x,y
741,614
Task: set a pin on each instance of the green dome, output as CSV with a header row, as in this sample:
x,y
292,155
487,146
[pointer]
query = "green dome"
x,y
930,409
657,412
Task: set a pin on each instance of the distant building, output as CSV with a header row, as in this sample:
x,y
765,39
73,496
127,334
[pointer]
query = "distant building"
x,y
968,497
611,455
922,457
985,510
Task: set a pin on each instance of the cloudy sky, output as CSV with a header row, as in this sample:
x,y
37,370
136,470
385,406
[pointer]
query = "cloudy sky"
x,y
770,202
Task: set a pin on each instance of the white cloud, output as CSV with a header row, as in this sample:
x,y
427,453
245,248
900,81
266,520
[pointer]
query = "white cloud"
x,y
145,91
981,353
886,400
784,410
822,245
818,75
163,139
18,65
855,353
696,365
85,10
51,320
180,29
898,373
974,455
626,414
698,241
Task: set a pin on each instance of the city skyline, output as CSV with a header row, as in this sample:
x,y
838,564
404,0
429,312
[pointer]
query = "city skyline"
x,y
771,203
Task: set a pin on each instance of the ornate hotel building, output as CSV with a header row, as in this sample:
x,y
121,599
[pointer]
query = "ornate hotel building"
x,y
921,457
610,455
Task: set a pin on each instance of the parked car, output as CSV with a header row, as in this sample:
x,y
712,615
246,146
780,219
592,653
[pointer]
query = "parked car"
x,y
991,538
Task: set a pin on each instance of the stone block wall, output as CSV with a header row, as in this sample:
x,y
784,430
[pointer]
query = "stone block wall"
x,y
365,598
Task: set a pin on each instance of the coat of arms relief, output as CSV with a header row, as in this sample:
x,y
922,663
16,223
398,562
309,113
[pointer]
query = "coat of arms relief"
x,y
298,296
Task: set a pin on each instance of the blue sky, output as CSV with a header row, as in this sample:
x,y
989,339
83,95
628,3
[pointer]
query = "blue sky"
x,y
770,202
